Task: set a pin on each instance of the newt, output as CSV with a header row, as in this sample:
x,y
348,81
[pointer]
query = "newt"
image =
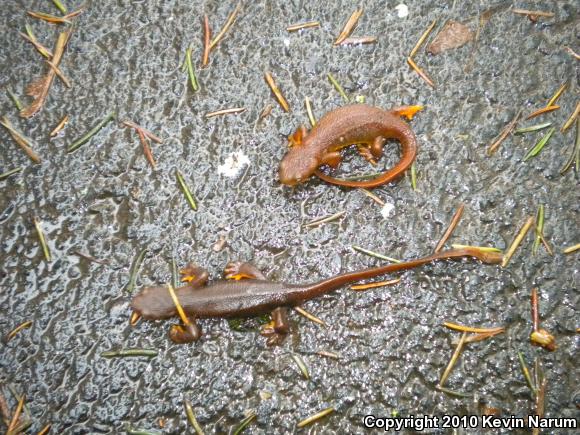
x,y
247,292
366,126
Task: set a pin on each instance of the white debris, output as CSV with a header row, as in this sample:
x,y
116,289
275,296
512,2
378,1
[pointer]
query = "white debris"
x,y
402,10
387,210
286,42
234,164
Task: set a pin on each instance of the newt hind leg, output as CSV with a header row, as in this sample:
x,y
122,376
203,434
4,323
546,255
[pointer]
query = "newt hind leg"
x,y
277,330
185,333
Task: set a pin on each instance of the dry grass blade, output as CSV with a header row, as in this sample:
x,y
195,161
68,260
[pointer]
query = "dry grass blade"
x,y
572,53
231,111
49,17
307,25
276,90
422,39
38,89
129,353
59,127
519,237
146,149
375,254
362,287
450,228
558,94
315,417
421,73
373,196
349,26
309,316
453,360
504,134
337,86
541,111
571,119
527,374
42,239
21,140
62,8
10,172
301,365
206,41
462,328
16,330
45,430
571,249
325,220
146,132
16,416
39,47
535,313
227,25
59,73
191,418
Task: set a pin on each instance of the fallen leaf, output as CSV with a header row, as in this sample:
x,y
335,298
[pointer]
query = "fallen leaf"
x,y
452,35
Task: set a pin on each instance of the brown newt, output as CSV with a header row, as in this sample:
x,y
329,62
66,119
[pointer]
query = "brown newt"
x,y
366,126
247,292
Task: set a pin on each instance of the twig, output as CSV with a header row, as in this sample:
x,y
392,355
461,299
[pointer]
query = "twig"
x,y
231,111
21,140
59,127
276,90
126,353
422,39
309,111
421,73
450,228
206,41
361,287
146,132
307,25
309,316
146,149
533,13
349,26
359,40
535,314
541,111
504,134
375,254
59,73
226,27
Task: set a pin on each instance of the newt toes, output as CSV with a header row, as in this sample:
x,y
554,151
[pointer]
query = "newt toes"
x,y
366,126
247,292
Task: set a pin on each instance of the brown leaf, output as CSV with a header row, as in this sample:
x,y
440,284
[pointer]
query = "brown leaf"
x,y
452,35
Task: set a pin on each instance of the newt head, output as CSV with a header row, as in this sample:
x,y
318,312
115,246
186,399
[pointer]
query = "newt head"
x,y
297,166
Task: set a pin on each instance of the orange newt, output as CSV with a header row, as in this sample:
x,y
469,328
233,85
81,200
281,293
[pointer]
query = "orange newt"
x,y
246,292
366,126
